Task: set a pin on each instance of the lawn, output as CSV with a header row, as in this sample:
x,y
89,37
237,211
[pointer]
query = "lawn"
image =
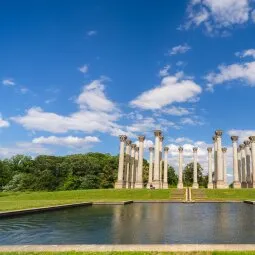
x,y
23,200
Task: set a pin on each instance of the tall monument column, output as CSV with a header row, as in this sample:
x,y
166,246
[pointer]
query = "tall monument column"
x,y
210,182
252,139
243,158
156,179
136,166
236,183
161,139
220,179
132,167
180,183
195,184
239,165
119,184
151,149
139,179
215,160
165,182
127,163
248,163
224,157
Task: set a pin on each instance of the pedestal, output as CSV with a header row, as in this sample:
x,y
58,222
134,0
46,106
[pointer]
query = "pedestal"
x,y
165,185
195,186
210,186
138,185
119,185
220,185
244,185
180,186
236,185
156,184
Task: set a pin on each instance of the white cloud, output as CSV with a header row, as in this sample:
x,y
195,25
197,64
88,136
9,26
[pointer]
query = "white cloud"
x,y
147,144
244,71
246,53
170,90
164,71
3,123
179,49
192,121
8,82
68,141
49,101
83,69
242,134
176,111
92,33
181,140
253,16
217,15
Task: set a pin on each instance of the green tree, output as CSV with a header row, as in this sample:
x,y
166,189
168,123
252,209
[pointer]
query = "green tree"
x,y
172,177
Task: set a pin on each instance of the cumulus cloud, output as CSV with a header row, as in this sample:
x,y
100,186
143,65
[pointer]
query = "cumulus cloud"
x,y
176,111
172,89
215,15
147,144
8,82
181,140
246,53
192,121
164,71
92,33
242,134
3,123
83,69
68,141
179,49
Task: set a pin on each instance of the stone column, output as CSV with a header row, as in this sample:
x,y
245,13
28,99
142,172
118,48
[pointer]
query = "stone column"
x,y
236,183
243,158
127,163
180,183
239,165
132,167
248,163
151,149
165,182
139,179
161,139
156,179
210,181
220,178
119,184
224,157
215,159
195,184
136,166
252,139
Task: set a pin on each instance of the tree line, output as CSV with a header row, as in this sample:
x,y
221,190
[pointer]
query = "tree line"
x,y
79,171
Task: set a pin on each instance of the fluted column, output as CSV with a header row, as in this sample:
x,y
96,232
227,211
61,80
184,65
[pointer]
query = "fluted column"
x,y
215,160
195,184
248,163
151,149
252,139
161,139
243,158
165,182
180,183
119,184
239,165
127,163
139,179
236,183
132,167
220,178
210,182
136,166
156,180
224,157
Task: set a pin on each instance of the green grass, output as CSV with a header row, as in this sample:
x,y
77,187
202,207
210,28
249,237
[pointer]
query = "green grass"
x,y
230,194
23,200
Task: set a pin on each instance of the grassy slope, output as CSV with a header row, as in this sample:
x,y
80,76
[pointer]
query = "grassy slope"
x,y
21,200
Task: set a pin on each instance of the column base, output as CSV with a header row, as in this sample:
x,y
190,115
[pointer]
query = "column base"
x,y
138,185
220,185
253,185
244,185
156,184
249,184
236,185
165,185
180,186
210,186
195,186
119,185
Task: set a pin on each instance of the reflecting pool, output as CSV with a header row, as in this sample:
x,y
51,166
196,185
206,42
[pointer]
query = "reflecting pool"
x,y
150,223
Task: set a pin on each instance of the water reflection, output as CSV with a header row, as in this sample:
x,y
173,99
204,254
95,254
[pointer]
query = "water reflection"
x,y
134,224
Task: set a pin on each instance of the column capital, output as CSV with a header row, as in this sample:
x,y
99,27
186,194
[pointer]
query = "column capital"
x,y
123,138
141,138
166,148
161,138
157,132
252,139
218,133
246,143
128,142
224,149
195,149
151,149
234,138
209,149
241,146
180,149
133,146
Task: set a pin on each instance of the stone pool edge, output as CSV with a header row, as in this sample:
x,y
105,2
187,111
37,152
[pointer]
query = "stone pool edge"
x,y
131,247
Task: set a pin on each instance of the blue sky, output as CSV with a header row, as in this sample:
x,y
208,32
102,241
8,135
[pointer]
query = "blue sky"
x,y
76,74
